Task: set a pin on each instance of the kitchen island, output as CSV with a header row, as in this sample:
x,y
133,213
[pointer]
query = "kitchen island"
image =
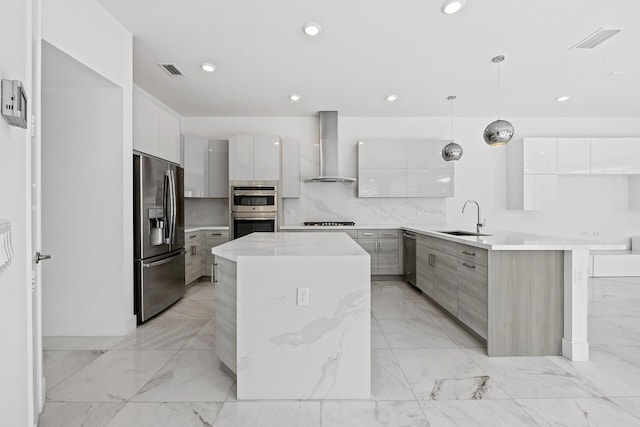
x,y
293,315
523,294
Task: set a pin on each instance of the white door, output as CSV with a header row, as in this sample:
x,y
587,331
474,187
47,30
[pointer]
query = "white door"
x,y
36,309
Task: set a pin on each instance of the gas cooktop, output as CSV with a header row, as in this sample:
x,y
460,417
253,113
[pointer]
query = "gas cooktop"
x,y
330,223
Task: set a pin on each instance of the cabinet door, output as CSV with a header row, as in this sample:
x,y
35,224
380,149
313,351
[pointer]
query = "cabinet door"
x,y
540,155
145,125
607,156
472,296
430,182
446,281
371,246
290,180
382,155
424,270
389,255
241,158
169,136
632,155
266,158
426,154
382,183
213,239
218,168
574,156
196,166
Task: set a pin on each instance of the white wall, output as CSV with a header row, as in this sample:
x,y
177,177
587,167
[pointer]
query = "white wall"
x,y
86,32
593,204
15,282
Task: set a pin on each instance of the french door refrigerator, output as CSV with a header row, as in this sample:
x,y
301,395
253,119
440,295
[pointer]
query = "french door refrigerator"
x,y
159,255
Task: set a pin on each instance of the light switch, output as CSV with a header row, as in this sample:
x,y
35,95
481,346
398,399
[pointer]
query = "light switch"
x,y
303,296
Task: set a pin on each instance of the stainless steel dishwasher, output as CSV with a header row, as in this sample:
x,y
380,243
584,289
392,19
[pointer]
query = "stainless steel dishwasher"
x,y
409,246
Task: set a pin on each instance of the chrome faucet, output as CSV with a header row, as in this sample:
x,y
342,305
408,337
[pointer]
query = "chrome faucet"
x,y
479,225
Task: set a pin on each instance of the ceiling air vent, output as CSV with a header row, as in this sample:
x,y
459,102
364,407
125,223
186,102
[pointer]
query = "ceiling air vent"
x,y
600,36
172,69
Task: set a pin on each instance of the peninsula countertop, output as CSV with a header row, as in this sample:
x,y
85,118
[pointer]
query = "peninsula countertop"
x,y
494,239
290,244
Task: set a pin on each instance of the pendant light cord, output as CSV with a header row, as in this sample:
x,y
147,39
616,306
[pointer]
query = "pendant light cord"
x,y
451,117
498,90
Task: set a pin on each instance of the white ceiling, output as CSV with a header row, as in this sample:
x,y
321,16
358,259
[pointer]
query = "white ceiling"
x,y
371,48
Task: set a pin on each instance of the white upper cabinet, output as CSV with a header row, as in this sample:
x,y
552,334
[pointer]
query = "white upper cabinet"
x,y
574,156
404,168
266,151
196,166
169,138
219,168
156,131
290,169
254,158
540,156
382,155
608,156
206,167
632,155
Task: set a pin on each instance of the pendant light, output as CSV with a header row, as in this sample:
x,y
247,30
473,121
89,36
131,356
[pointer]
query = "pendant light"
x,y
451,151
498,132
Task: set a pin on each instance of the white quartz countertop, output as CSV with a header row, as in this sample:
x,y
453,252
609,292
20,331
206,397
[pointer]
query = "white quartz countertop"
x,y
495,240
290,244
192,228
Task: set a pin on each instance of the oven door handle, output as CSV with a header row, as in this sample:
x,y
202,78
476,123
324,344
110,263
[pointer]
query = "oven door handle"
x,y
254,193
270,218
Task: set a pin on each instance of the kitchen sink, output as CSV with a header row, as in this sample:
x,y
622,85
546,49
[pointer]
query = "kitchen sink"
x,y
463,233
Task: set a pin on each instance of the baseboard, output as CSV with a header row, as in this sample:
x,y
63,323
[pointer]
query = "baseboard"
x,y
120,326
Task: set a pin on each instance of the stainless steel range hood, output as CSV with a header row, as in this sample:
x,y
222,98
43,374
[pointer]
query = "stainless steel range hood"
x,y
329,157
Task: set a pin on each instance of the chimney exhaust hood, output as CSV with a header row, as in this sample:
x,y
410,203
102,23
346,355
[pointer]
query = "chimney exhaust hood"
x,y
329,157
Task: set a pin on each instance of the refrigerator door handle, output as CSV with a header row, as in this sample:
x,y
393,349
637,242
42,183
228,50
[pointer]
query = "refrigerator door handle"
x,y
165,204
174,205
163,261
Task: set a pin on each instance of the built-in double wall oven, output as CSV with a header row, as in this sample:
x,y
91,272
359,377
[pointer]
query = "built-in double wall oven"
x,y
254,207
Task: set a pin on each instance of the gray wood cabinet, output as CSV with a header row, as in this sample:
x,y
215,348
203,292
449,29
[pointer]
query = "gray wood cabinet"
x,y
193,268
445,274
213,238
424,269
472,296
384,248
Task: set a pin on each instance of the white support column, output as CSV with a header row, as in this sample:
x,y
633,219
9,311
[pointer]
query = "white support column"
x,y
576,299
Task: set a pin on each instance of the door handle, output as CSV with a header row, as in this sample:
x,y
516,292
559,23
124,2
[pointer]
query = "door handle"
x,y
40,257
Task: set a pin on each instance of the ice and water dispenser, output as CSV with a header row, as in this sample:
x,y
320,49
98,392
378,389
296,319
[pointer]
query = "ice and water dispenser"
x,y
156,226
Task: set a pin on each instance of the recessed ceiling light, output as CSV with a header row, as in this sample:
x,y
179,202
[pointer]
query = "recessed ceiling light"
x,y
294,97
209,68
449,7
562,98
312,29
392,98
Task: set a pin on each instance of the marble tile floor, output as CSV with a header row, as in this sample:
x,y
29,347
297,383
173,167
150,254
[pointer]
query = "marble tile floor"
x,y
426,371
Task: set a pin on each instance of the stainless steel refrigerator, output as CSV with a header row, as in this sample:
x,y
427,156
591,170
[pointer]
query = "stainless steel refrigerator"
x,y
159,255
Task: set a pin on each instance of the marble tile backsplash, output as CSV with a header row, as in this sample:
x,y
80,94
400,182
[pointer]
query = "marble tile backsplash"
x,y
206,211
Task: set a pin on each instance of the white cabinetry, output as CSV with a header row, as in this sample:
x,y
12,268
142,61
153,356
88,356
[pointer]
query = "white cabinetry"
x,y
632,156
607,156
290,173
403,168
254,157
156,131
574,156
206,167
532,166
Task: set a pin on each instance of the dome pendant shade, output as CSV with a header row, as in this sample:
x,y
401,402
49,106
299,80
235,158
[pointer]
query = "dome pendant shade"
x,y
498,133
452,151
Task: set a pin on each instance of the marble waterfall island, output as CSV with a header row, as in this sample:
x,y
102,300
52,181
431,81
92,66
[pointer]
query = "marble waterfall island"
x,y
278,347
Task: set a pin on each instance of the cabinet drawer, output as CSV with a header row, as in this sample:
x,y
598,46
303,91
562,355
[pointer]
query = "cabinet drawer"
x,y
471,253
367,234
192,236
387,234
427,241
473,296
215,234
446,246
